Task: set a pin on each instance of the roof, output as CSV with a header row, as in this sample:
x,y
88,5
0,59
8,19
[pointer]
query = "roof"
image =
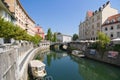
x,y
89,13
64,35
112,20
2,4
25,11
115,17
39,28
36,63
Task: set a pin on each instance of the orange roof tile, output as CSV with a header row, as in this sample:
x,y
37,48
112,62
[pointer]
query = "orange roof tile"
x,y
115,17
109,20
89,13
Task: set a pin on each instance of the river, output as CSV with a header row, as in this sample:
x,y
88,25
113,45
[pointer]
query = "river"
x,y
61,66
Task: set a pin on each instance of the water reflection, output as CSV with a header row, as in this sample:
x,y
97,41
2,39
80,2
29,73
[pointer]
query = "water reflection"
x,y
62,66
92,70
54,56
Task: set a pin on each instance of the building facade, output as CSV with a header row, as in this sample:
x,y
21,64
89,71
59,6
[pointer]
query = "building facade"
x,y
39,31
5,13
63,38
94,20
111,27
22,18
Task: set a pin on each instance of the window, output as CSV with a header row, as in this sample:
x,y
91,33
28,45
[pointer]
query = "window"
x,y
106,29
19,21
118,26
98,17
92,26
6,14
98,24
111,28
113,20
118,34
119,19
93,20
111,35
92,32
108,22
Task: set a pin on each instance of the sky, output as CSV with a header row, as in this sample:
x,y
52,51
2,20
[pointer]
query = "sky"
x,y
62,15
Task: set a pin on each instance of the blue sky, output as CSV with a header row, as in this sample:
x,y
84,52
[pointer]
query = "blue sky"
x,y
62,15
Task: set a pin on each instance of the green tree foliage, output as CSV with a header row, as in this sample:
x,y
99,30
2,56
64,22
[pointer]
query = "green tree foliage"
x,y
36,39
75,37
6,29
49,35
9,30
54,39
103,40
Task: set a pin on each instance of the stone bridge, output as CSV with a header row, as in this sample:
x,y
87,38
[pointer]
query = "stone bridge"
x,y
69,45
59,45
78,45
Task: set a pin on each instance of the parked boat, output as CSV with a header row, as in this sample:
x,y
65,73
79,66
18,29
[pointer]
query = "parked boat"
x,y
37,69
78,53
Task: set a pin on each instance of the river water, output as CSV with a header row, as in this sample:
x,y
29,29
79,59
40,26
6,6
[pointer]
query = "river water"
x,y
61,66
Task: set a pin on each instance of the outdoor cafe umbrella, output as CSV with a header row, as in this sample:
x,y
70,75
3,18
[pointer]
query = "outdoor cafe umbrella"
x,y
116,39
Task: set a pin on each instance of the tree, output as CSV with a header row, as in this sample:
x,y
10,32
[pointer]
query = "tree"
x,y
8,30
54,39
36,39
75,37
103,40
49,35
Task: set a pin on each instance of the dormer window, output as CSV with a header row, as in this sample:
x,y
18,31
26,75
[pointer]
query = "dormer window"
x,y
113,20
107,22
119,19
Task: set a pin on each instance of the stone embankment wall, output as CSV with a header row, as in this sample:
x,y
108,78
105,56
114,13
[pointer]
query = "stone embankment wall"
x,y
14,59
42,47
11,58
104,58
97,56
8,63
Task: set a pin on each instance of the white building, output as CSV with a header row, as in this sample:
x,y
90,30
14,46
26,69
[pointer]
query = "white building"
x,y
94,20
63,38
111,27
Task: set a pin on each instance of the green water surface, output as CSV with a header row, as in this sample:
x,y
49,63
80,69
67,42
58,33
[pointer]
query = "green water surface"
x,y
61,66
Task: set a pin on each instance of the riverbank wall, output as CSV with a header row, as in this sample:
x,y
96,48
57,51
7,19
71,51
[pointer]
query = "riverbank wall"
x,y
106,57
14,59
113,59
